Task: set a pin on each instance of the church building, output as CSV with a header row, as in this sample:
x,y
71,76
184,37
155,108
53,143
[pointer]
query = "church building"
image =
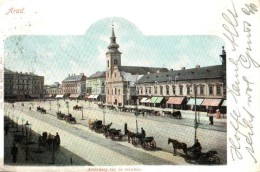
x,y
120,80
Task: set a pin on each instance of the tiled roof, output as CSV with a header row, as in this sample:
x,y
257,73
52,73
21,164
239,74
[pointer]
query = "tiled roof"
x,y
7,71
98,75
141,70
73,78
185,74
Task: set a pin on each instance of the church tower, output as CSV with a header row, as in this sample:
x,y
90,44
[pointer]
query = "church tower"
x,y
113,56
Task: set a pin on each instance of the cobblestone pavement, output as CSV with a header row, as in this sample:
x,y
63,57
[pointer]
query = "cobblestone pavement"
x,y
159,127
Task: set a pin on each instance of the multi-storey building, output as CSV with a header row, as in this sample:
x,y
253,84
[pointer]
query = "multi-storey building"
x,y
75,85
180,88
22,86
119,78
51,91
96,86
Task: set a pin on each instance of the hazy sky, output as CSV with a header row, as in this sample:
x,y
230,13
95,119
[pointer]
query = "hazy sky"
x,y
54,57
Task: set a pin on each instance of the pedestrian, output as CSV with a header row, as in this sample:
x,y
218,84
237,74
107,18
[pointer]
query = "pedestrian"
x,y
6,128
143,132
57,138
211,119
14,152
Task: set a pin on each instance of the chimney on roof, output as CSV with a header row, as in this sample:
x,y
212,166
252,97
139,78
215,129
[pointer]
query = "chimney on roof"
x,y
171,69
158,71
182,68
197,66
148,73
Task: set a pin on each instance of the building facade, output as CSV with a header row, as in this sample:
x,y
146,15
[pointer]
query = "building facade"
x,y
75,85
96,86
22,86
51,91
181,88
119,79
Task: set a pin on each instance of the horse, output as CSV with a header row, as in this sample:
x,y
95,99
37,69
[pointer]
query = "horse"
x,y
131,136
177,145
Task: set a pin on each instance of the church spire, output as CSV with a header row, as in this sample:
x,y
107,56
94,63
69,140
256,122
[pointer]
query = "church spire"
x,y
113,46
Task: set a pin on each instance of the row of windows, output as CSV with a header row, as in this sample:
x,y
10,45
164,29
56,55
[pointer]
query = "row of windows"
x,y
114,91
200,90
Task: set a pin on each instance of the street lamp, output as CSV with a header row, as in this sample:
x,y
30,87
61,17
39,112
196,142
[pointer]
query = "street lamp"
x,y
12,121
22,126
104,113
67,103
58,105
82,112
196,124
50,104
17,124
26,147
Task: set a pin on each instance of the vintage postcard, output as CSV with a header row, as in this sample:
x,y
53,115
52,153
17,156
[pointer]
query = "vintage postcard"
x,y
129,85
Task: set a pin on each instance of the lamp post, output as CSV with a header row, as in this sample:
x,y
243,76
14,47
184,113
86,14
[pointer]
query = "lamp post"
x,y
58,105
22,127
195,120
136,114
50,104
17,124
67,103
26,145
82,118
104,114
12,121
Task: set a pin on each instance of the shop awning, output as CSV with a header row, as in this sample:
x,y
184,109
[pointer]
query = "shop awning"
x,y
91,96
74,95
34,96
224,103
211,102
86,97
192,101
159,99
143,100
153,100
96,96
147,100
175,100
59,96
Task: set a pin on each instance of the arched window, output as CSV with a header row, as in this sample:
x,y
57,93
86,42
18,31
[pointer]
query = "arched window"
x,y
115,61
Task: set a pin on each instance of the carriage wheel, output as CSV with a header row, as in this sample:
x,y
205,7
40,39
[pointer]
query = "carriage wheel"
x,y
144,145
112,136
187,158
134,142
120,137
214,160
153,144
203,160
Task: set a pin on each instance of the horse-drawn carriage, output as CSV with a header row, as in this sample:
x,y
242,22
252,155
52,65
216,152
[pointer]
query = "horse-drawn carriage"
x,y
139,138
98,126
114,134
176,114
70,119
41,109
190,154
60,115
77,107
203,158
